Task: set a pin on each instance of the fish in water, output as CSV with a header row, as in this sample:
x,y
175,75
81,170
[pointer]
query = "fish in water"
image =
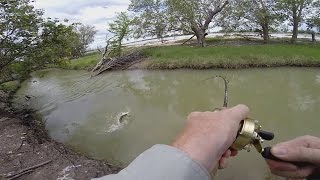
x,y
122,117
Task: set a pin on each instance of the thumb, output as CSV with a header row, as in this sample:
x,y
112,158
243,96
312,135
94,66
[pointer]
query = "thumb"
x,y
297,154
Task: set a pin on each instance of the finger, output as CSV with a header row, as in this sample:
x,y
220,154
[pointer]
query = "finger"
x,y
305,141
281,166
234,152
299,174
297,154
227,154
223,163
239,112
217,110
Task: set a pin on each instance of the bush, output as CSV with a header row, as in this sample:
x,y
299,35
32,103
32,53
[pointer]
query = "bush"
x,y
10,87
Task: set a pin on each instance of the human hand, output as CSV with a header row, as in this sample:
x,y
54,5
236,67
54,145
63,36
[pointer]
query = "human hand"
x,y
208,135
304,149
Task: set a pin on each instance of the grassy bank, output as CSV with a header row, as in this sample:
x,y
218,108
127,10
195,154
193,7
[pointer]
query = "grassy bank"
x,y
231,56
10,87
233,53
86,62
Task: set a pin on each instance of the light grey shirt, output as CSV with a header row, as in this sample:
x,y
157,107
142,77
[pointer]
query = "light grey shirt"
x,y
161,162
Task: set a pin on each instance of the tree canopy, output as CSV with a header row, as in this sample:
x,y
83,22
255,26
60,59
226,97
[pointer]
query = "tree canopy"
x,y
120,28
28,41
20,23
151,18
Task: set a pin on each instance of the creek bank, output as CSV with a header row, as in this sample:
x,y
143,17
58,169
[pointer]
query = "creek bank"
x,y
24,143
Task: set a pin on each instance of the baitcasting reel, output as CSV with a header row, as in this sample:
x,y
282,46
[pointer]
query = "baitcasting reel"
x,y
250,134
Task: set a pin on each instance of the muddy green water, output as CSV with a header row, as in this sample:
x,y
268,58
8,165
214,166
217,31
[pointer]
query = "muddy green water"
x,y
83,112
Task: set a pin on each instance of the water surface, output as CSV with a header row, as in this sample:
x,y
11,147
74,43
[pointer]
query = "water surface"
x,y
84,112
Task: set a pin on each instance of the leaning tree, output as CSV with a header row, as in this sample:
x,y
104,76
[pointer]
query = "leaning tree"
x,y
194,17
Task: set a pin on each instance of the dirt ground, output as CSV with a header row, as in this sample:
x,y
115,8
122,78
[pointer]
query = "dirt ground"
x,y
24,145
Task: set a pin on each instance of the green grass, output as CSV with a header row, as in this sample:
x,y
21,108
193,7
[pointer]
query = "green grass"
x,y
86,62
231,56
10,86
211,40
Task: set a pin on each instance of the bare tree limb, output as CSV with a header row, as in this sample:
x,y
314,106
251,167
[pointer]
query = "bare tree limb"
x,y
213,13
188,40
28,169
21,174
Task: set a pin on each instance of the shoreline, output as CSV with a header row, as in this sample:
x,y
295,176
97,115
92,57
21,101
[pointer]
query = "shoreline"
x,y
238,54
25,143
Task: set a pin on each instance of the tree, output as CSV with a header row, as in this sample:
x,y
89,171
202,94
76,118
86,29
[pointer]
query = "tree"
x,y
194,17
86,34
19,28
295,11
120,28
150,18
252,14
55,45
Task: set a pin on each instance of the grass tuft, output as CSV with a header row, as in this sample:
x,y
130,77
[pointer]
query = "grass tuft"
x,y
10,87
86,62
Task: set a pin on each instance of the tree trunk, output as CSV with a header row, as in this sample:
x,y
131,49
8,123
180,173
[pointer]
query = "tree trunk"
x,y
265,31
201,35
295,31
313,34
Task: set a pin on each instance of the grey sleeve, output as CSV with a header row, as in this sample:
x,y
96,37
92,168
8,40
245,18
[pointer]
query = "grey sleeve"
x,y
161,162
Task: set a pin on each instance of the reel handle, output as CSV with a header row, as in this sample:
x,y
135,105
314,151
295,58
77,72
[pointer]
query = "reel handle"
x,y
266,135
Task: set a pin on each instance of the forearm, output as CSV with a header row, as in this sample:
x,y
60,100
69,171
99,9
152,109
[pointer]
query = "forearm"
x,y
162,162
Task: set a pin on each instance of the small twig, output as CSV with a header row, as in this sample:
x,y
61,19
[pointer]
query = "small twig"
x,y
20,145
29,168
21,174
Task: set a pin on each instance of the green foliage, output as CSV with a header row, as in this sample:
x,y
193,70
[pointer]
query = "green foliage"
x,y
151,18
195,17
19,27
251,15
120,27
28,42
296,11
55,46
173,57
10,86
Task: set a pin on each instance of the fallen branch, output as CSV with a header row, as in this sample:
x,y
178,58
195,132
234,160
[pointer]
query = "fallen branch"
x,y
21,174
188,40
119,63
28,169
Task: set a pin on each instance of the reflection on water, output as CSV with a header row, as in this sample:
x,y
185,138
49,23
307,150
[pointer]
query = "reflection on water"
x,y
84,112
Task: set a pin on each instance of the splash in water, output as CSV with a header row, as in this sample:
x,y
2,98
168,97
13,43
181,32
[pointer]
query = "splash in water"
x,y
120,121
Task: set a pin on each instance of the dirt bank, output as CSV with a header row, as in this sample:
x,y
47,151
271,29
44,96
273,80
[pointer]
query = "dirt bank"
x,y
24,144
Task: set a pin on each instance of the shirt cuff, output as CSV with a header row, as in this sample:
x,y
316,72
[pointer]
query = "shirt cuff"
x,y
166,162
